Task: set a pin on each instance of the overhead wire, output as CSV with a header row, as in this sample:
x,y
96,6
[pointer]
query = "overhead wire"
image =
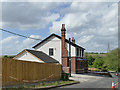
x,y
23,35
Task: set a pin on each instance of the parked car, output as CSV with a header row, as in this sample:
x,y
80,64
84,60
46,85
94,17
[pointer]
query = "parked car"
x,y
116,74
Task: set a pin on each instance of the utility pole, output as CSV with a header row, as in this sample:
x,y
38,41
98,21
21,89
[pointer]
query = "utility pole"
x,y
70,56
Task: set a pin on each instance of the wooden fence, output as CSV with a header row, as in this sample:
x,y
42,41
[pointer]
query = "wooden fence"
x,y
20,72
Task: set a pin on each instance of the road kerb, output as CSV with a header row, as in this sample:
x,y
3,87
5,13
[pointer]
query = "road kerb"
x,y
49,87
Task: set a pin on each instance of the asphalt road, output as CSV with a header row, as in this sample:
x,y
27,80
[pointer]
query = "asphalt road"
x,y
104,82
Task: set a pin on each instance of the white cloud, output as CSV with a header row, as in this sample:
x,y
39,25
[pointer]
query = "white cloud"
x,y
28,15
92,24
12,45
85,39
9,40
30,42
52,18
85,20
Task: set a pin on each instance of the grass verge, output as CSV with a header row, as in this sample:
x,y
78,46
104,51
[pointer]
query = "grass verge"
x,y
43,85
50,84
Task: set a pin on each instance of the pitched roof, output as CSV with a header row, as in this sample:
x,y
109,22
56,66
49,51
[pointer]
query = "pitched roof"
x,y
41,55
44,57
59,38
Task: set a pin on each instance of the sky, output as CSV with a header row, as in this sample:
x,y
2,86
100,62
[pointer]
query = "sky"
x,y
92,24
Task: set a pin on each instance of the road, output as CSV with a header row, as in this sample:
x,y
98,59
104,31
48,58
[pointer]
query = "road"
x,y
99,82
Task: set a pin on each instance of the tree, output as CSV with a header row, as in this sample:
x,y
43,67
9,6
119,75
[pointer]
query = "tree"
x,y
6,56
98,63
90,60
111,60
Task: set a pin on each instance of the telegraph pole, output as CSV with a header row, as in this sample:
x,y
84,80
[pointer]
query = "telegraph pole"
x,y
70,56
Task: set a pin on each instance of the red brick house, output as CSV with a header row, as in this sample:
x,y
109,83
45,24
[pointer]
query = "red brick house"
x,y
77,62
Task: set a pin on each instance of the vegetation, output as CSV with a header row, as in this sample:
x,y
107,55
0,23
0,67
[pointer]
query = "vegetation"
x,y
43,85
90,60
111,60
108,61
98,63
8,56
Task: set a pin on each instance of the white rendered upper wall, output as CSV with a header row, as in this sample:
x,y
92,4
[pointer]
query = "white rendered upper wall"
x,y
54,43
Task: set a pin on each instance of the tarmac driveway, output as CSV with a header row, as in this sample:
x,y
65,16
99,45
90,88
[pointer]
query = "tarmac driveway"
x,y
85,77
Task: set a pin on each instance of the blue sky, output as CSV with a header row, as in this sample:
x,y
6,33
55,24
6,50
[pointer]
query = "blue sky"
x,y
93,24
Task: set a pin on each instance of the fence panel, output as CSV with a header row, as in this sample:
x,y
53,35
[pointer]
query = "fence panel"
x,y
20,72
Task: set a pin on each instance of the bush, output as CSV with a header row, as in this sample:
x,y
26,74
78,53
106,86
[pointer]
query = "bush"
x,y
98,63
65,76
6,56
111,60
97,70
90,60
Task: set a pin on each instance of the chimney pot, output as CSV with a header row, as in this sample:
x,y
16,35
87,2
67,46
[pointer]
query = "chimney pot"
x,y
73,40
63,27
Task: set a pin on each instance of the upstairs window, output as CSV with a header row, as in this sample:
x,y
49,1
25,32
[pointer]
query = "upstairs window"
x,y
51,51
77,51
80,52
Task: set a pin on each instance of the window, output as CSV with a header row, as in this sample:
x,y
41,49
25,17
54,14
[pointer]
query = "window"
x,y
80,65
80,52
77,51
51,51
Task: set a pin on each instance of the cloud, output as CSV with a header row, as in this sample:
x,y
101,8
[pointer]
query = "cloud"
x,y
30,42
12,44
85,39
28,15
92,24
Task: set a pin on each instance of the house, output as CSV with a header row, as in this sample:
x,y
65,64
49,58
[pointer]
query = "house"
x,y
35,56
66,52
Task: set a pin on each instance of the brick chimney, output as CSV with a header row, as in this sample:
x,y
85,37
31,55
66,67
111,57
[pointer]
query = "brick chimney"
x,y
63,32
73,40
65,62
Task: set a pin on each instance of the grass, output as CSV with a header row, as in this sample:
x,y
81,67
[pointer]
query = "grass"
x,y
47,84
56,83
42,85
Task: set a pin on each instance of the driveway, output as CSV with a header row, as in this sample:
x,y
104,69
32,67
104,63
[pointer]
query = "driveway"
x,y
85,77
92,81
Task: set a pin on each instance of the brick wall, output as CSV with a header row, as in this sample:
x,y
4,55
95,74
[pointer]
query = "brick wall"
x,y
73,65
65,62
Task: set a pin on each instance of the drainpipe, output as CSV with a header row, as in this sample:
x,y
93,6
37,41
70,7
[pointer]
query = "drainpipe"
x,y
70,56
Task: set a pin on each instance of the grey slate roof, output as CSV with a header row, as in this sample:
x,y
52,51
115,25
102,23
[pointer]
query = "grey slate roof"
x,y
59,38
41,55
